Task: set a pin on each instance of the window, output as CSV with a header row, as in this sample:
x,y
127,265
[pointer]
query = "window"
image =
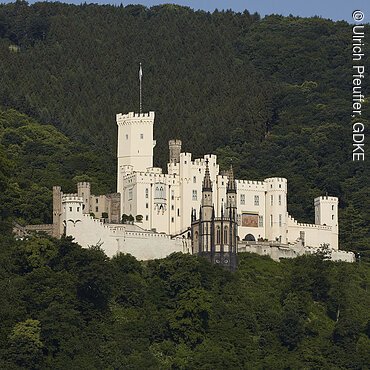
x,y
260,221
280,220
96,209
218,235
97,200
272,200
126,137
78,209
332,208
225,234
146,205
194,179
279,200
256,200
195,195
141,136
178,212
172,207
130,194
172,220
242,198
271,220
332,217
279,186
172,195
146,218
70,209
146,193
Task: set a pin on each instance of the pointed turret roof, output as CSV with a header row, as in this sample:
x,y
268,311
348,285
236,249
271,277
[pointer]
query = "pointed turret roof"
x,y
231,185
207,183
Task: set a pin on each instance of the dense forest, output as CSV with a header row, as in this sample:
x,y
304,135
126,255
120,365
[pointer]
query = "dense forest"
x,y
272,95
64,307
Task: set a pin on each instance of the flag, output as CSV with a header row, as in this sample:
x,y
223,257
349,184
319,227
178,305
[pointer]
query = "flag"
x,y
140,73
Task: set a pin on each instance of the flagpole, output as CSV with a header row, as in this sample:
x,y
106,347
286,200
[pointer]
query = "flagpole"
x,y
140,77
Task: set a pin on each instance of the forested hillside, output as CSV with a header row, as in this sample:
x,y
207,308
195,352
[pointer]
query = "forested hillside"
x,y
273,95
64,307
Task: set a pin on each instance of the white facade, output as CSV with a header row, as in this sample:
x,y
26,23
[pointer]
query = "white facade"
x,y
166,200
116,238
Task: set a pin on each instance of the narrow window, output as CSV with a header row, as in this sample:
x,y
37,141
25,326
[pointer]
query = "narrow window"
x,y
195,195
194,179
272,200
280,220
218,235
146,218
70,209
260,221
279,200
256,200
225,234
271,220
96,209
242,199
141,136
147,193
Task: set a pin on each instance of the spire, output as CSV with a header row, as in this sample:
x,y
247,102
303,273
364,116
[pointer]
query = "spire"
x,y
231,187
140,78
207,183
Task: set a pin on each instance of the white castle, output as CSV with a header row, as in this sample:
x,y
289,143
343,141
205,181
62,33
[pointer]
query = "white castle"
x,y
163,203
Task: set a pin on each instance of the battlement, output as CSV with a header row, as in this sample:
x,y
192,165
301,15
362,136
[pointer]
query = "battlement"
x,y
83,184
66,198
325,198
133,118
276,180
175,142
242,183
310,226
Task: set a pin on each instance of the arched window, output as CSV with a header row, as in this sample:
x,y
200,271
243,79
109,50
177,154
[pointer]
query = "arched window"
x,y
196,235
218,235
225,234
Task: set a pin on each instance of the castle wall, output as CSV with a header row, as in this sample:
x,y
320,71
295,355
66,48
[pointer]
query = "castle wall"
x,y
276,252
114,239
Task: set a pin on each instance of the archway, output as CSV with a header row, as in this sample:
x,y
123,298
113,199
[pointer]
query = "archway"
x,y
249,238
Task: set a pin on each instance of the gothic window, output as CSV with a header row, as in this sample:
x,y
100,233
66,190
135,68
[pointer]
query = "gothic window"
x,y
280,220
225,234
147,193
256,200
271,220
130,194
218,235
279,200
178,212
272,200
195,195
196,235
242,199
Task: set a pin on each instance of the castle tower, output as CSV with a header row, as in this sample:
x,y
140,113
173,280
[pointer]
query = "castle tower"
x,y
135,143
175,150
57,212
326,213
276,209
72,211
84,191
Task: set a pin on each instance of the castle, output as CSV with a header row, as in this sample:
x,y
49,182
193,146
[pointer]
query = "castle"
x,y
165,206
